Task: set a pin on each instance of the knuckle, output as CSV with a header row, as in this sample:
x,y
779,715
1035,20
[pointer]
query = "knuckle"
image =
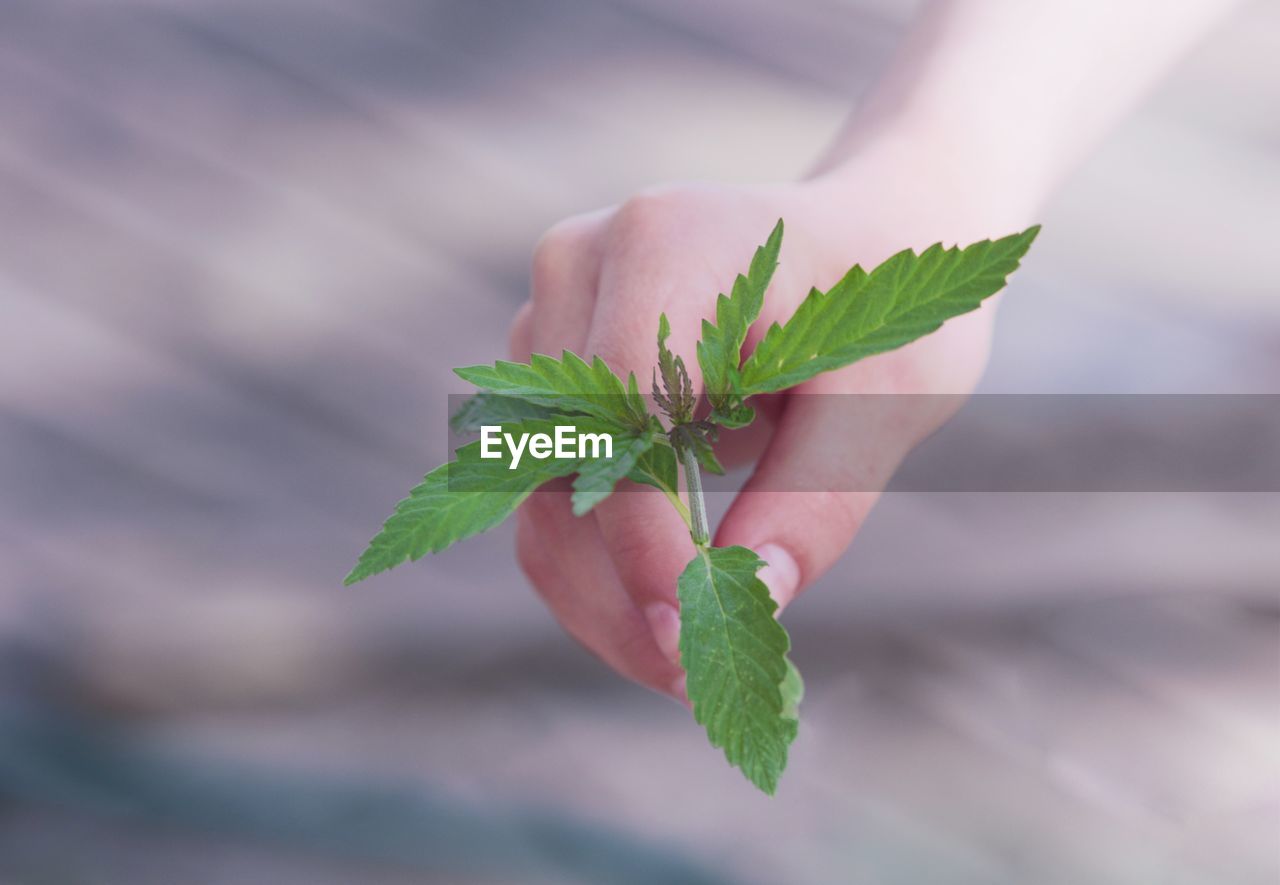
x,y
554,255
649,214
624,354
841,511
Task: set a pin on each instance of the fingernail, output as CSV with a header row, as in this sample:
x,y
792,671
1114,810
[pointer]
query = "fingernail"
x,y
664,621
780,574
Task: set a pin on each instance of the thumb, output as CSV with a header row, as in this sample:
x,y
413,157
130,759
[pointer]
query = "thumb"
x,y
824,469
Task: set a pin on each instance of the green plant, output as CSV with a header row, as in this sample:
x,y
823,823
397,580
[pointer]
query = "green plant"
x,y
743,688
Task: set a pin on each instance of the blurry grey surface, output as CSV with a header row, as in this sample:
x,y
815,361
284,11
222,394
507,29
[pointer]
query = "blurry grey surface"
x,y
244,242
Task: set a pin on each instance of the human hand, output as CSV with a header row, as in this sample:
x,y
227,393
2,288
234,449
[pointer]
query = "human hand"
x,y
599,283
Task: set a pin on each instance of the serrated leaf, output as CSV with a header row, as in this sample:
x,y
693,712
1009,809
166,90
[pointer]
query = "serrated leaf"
x,y
568,384
734,653
675,397
434,517
597,476
658,467
493,408
905,298
465,497
720,350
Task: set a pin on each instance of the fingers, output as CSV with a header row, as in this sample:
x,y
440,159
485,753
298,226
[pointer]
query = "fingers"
x,y
520,337
566,271
795,511
566,268
653,266
661,259
832,454
649,546
564,557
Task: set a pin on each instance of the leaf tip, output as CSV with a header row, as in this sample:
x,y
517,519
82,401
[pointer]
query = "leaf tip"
x,y
764,779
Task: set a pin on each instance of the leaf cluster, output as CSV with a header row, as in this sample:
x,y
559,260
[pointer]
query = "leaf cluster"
x,y
744,690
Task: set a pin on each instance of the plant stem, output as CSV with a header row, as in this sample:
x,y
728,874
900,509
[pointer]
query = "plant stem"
x,y
699,529
674,498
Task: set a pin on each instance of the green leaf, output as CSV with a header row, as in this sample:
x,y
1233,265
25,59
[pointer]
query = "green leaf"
x,y
566,385
905,298
732,414
792,689
657,467
734,653
720,350
598,476
744,689
492,408
465,497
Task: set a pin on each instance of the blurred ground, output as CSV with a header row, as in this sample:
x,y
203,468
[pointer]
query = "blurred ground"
x,y
243,242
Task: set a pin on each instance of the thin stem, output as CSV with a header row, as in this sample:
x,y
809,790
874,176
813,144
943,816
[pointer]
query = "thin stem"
x,y
674,498
699,529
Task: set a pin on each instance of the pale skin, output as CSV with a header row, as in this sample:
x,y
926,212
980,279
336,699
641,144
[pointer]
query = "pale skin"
x,y
985,108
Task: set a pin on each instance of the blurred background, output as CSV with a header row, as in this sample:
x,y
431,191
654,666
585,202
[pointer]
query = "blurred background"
x,y
242,244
